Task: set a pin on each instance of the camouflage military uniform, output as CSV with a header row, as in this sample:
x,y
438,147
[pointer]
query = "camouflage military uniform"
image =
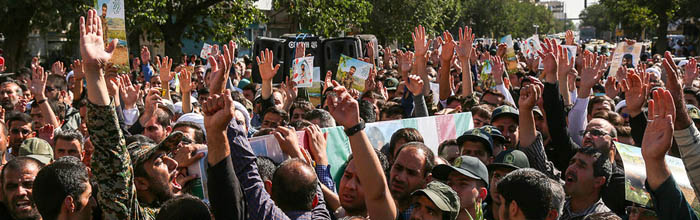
x,y
111,167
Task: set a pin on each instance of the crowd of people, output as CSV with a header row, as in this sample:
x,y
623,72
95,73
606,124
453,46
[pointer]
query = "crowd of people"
x,y
97,143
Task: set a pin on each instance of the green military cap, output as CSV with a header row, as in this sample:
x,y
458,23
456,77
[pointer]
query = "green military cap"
x,y
466,165
36,148
514,159
505,110
140,152
442,196
391,83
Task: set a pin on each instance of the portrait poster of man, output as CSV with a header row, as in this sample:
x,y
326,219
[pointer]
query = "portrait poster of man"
x,y
111,12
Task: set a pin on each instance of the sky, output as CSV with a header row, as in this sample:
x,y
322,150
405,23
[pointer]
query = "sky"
x,y
574,7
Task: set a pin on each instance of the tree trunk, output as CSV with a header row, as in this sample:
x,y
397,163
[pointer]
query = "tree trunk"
x,y
661,32
16,30
172,34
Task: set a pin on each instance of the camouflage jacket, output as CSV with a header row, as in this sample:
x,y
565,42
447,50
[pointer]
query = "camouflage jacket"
x,y
111,167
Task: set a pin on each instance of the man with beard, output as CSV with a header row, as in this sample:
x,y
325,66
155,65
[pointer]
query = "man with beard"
x,y
120,171
17,178
20,127
10,94
410,172
350,191
585,178
73,199
527,194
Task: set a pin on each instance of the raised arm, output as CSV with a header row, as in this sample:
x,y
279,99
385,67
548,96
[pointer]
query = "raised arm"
x,y
111,165
165,67
186,90
221,67
448,46
38,88
380,204
225,192
78,76
465,52
421,44
415,85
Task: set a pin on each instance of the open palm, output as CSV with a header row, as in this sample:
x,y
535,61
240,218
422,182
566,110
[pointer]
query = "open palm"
x,y
92,48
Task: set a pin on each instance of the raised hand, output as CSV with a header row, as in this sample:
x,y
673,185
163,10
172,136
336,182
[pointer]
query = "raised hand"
x,y
501,50
673,81
38,84
414,84
185,155
164,68
550,55
370,51
387,57
300,50
611,88
533,63
136,65
464,48
405,61
58,68
129,92
448,47
327,82
145,55
343,107
419,41
78,72
113,86
218,111
659,132
185,81
636,88
498,69
221,66
317,144
528,97
570,37
288,141
591,73
46,133
265,60
92,48
370,83
565,65
21,105
691,72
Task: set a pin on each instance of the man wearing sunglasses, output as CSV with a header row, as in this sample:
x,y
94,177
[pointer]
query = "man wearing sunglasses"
x,y
20,127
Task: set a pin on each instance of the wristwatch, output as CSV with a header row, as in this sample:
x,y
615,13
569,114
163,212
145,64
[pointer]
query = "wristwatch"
x,y
354,129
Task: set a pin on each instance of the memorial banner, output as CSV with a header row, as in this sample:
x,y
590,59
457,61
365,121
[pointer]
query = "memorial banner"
x,y
435,130
111,13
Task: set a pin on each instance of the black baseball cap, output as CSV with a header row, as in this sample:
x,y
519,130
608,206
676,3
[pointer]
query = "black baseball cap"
x,y
469,166
514,159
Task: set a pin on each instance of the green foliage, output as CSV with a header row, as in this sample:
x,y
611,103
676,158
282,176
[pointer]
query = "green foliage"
x,y
327,17
396,19
169,20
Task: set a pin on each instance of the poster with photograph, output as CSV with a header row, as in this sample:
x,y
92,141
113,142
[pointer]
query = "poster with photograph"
x,y
353,72
510,60
199,184
635,177
206,51
485,76
302,73
316,87
111,13
532,45
625,55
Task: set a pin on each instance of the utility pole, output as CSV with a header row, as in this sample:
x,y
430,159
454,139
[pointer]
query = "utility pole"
x,y
585,4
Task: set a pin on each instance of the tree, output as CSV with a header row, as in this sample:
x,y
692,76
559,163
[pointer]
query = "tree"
x,y
171,20
327,17
599,17
19,17
395,19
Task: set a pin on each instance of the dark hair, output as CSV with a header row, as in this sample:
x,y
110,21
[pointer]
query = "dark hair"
x,y
392,109
17,164
325,118
602,216
68,135
602,167
406,134
367,112
252,87
531,189
163,117
18,116
300,124
67,176
184,207
280,112
59,82
303,105
598,100
382,161
482,110
427,153
450,142
263,132
17,83
266,167
198,133
291,188
58,108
